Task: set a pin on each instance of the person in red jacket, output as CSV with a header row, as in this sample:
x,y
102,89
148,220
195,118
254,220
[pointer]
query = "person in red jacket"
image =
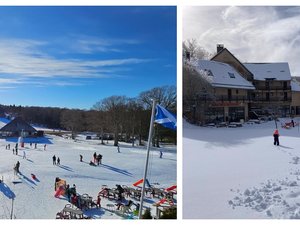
x,y
276,137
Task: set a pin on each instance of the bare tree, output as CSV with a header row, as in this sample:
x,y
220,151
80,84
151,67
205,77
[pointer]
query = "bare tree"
x,y
195,50
115,107
73,120
165,96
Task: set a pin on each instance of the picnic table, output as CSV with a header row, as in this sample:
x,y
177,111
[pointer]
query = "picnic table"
x,y
86,201
72,213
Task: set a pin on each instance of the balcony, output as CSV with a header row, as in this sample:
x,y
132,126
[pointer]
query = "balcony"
x,y
226,98
264,88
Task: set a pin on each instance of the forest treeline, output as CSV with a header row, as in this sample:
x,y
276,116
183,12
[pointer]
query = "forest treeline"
x,y
120,116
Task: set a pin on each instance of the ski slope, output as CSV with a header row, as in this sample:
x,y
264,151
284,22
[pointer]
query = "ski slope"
x,y
237,173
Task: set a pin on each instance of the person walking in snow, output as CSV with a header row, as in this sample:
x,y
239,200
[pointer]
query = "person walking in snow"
x,y
118,147
35,145
45,147
58,161
18,167
80,156
160,154
276,137
54,160
24,154
13,150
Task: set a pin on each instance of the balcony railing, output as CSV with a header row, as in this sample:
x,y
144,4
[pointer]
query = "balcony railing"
x,y
264,88
225,98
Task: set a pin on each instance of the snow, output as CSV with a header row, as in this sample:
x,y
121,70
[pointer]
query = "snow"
x,y
237,173
221,74
34,199
261,71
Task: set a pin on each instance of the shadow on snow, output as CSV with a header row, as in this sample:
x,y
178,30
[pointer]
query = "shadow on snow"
x,y
7,191
38,140
124,172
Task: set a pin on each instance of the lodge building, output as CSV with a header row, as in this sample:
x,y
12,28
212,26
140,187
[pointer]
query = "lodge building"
x,y
240,91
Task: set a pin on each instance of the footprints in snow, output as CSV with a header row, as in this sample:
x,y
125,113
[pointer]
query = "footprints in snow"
x,y
270,198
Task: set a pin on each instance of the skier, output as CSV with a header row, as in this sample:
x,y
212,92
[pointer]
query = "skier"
x,y
24,154
45,147
13,150
80,158
17,151
54,160
118,148
58,161
276,137
35,145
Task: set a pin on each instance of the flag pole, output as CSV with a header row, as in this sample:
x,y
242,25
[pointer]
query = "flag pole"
x,y
147,159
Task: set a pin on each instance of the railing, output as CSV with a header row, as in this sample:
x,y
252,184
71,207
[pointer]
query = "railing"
x,y
264,88
225,98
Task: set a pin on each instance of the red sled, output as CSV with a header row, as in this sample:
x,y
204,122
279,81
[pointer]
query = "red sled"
x,y
33,176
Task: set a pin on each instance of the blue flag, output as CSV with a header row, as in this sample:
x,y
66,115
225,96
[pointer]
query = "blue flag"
x,y
165,118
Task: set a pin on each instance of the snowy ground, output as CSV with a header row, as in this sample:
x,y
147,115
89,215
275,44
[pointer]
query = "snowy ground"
x,y
34,199
237,173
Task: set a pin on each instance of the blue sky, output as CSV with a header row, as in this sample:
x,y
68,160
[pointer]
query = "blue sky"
x,y
75,56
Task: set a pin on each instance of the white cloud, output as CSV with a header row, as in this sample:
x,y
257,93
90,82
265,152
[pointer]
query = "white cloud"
x,y
24,59
252,34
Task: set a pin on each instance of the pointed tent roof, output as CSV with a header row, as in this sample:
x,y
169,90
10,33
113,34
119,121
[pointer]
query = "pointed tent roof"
x,y
18,124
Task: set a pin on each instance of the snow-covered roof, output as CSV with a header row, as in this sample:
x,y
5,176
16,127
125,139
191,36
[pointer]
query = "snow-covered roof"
x,y
295,85
263,71
221,74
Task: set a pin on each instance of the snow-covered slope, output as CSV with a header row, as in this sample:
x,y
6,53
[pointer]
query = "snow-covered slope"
x,y
239,173
35,199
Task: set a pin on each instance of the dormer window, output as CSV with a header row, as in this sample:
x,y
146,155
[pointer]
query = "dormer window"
x,y
231,75
208,72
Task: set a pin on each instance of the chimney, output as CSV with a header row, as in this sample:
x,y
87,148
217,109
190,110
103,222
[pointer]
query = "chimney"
x,y
220,47
188,55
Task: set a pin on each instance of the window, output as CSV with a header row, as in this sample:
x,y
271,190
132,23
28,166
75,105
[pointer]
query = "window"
x,y
267,85
231,75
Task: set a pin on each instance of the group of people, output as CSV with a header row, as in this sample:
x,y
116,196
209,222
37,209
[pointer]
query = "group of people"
x,y
97,159
56,161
